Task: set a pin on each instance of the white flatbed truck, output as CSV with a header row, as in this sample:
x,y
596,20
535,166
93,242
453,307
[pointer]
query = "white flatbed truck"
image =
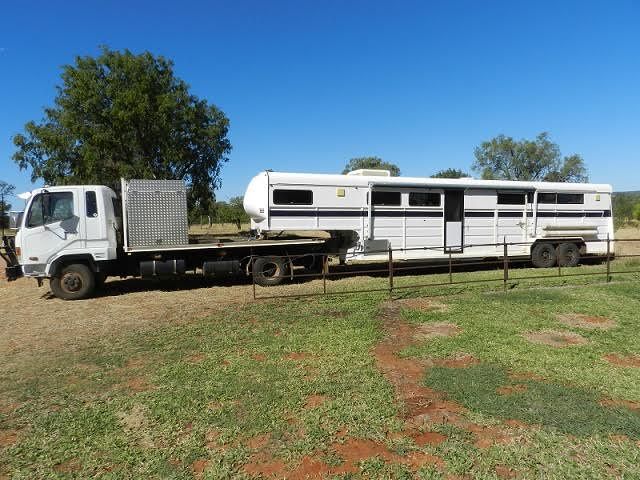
x,y
77,236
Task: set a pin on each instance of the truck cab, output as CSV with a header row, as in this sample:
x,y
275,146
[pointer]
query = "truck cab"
x,y
69,224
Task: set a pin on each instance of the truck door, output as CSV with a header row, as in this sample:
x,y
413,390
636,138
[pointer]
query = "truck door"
x,y
52,225
453,218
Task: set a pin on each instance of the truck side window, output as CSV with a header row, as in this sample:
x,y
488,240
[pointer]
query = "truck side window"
x,y
293,197
55,207
424,199
91,203
511,199
388,199
546,198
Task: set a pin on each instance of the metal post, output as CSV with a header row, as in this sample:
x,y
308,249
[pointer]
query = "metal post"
x,y
450,273
390,272
253,275
324,274
608,259
505,263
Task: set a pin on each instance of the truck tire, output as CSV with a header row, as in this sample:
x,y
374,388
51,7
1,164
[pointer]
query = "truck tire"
x,y
568,255
544,255
269,271
74,282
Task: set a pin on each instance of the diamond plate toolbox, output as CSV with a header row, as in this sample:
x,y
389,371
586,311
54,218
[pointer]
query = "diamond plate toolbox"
x,y
156,213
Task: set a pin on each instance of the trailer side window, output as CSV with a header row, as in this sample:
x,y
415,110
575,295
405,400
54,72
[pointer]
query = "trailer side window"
x,y
389,199
91,203
424,199
571,198
293,197
546,198
511,198
50,208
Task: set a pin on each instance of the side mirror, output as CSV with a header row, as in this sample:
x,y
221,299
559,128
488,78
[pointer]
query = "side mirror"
x,y
15,220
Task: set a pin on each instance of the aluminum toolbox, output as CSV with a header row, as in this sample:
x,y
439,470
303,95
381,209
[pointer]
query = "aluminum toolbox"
x,y
156,213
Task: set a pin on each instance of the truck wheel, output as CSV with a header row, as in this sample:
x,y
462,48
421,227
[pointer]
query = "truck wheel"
x,y
269,271
544,255
568,255
74,282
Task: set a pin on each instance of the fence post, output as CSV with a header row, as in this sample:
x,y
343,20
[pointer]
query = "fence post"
x,y
608,258
505,263
324,274
450,273
253,275
390,272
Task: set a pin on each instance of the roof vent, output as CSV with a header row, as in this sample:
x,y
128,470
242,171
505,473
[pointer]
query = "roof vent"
x,y
370,172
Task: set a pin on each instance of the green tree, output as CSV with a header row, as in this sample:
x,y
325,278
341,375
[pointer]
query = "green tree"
x,y
375,163
125,115
450,173
538,160
636,211
6,191
231,212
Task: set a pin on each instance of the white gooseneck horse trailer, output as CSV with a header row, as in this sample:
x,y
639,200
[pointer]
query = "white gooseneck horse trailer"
x,y
369,211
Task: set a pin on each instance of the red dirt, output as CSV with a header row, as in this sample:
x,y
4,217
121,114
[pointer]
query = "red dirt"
x,y
611,402
196,358
8,437
511,389
517,424
8,408
309,467
556,339
428,438
314,401
138,384
262,464
298,356
258,357
198,467
68,466
259,441
211,439
461,361
505,472
586,321
354,450
628,361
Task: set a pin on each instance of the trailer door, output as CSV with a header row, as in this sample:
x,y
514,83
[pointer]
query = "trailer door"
x,y
453,218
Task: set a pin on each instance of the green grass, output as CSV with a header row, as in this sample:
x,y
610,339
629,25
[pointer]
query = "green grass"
x,y
149,404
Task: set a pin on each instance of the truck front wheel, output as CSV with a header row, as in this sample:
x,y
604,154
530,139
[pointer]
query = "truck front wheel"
x,y
73,282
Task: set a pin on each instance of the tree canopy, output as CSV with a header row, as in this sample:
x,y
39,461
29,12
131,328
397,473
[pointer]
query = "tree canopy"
x,y
371,163
125,115
6,191
450,173
538,160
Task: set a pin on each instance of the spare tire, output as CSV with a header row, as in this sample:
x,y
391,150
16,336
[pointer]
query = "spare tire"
x,y
544,255
568,255
269,271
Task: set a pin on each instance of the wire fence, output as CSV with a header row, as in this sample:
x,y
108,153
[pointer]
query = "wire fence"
x,y
445,266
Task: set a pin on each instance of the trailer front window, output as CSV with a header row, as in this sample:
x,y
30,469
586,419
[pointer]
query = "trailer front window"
x,y
293,197
386,199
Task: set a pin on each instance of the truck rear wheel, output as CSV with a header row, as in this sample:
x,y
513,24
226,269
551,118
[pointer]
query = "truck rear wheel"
x,y
568,255
269,271
544,255
74,282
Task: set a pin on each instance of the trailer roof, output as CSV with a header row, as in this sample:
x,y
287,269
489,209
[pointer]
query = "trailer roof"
x,y
366,180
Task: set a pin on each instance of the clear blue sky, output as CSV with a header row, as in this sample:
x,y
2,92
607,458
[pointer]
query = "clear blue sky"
x,y
308,85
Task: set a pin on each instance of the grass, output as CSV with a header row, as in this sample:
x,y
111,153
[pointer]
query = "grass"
x,y
206,396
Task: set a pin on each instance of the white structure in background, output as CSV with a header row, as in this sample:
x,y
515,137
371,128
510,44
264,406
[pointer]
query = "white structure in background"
x,y
372,211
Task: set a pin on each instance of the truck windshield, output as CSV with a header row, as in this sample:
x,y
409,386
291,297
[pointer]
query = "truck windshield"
x,y
50,208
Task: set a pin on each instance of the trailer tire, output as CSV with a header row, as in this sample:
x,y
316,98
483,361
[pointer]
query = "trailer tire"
x,y
74,282
270,271
544,255
568,255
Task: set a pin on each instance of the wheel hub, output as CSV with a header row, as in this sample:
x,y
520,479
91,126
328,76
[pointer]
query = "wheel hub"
x,y
71,282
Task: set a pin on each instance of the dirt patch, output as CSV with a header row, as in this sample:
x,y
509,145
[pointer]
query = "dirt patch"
x,y
259,441
586,321
135,424
428,438
611,402
196,358
261,464
297,356
355,450
8,437
511,389
138,384
427,331
422,304
462,360
555,338
68,466
258,357
198,467
503,471
628,361
314,401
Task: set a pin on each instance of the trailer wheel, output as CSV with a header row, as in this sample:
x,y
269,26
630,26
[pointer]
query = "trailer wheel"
x,y
568,255
269,271
544,255
74,282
